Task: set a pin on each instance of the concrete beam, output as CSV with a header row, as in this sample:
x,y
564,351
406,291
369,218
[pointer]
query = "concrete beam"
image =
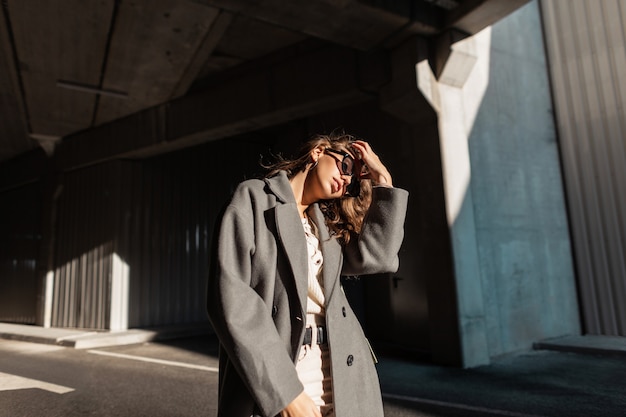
x,y
350,23
364,24
319,80
209,43
473,16
156,60
401,97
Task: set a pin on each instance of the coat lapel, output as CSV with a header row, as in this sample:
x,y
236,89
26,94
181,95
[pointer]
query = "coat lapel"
x,y
291,233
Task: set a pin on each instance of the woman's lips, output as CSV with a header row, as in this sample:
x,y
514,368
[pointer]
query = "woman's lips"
x,y
336,185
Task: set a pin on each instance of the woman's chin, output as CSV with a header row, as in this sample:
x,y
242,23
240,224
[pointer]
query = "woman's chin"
x,y
330,195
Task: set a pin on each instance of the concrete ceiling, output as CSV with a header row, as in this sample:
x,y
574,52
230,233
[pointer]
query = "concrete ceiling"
x,y
70,65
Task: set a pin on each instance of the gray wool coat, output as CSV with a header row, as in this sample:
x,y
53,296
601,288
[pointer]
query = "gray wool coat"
x,y
257,298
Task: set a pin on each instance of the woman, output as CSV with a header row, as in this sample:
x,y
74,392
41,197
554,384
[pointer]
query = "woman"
x,y
290,343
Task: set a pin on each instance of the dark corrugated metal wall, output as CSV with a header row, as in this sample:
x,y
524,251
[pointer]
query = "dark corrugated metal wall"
x,y
169,208
165,244
20,237
586,43
157,216
83,250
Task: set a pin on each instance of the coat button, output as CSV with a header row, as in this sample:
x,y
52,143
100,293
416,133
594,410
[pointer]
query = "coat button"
x,y
343,311
350,360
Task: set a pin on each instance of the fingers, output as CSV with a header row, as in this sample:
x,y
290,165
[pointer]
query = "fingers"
x,y
365,152
374,168
301,406
362,148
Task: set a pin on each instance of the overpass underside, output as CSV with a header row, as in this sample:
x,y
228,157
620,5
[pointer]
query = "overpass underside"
x,y
120,163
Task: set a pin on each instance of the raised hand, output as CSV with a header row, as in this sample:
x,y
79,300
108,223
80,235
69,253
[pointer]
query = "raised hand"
x,y
373,169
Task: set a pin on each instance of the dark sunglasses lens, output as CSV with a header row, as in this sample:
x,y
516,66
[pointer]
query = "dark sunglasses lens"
x,y
354,188
347,165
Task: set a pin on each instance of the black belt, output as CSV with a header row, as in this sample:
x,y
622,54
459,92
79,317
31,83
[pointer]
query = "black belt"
x,y
321,335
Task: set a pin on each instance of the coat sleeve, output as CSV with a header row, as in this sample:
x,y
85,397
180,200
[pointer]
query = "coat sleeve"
x,y
241,320
375,249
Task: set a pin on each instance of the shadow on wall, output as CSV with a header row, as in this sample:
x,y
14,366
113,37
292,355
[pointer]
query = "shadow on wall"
x,y
20,238
138,231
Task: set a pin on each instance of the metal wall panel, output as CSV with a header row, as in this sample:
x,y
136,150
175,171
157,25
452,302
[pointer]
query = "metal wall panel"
x,y
20,238
84,245
586,44
168,208
154,217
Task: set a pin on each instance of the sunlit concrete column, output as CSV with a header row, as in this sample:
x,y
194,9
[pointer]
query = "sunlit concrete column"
x,y
119,294
50,191
456,95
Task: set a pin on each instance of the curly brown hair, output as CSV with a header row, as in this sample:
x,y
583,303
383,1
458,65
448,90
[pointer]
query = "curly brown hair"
x,y
344,216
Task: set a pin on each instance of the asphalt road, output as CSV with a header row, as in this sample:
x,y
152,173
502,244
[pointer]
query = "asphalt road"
x,y
177,378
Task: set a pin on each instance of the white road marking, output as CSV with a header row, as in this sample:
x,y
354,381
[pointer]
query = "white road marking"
x,y
154,360
486,411
10,382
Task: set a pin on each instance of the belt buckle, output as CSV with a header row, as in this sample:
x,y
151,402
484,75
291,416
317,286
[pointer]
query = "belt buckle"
x,y
321,335
308,336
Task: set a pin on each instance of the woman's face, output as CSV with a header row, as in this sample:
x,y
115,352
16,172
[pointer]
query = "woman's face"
x,y
327,179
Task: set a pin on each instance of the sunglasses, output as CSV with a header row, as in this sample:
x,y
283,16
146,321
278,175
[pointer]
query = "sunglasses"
x,y
348,166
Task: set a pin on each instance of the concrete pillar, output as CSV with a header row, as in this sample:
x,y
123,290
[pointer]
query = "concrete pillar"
x,y
456,107
119,294
505,209
425,262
